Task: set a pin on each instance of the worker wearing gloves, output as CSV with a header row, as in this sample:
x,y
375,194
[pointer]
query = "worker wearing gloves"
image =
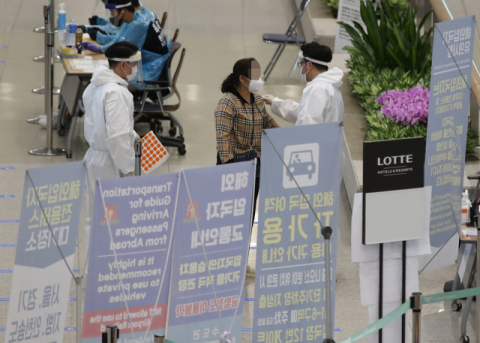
x,y
322,100
139,30
109,121
133,28
105,34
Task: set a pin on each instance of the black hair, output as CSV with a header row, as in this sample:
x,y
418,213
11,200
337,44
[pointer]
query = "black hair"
x,y
241,67
130,8
317,52
135,3
120,50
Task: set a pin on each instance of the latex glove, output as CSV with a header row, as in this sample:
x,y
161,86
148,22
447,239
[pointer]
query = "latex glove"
x,y
93,20
127,175
137,137
90,46
83,28
226,337
268,99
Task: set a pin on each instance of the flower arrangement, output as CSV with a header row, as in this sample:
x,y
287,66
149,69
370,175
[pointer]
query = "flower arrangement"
x,y
406,107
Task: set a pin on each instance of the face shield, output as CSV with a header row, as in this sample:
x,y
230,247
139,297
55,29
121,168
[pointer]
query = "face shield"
x,y
133,68
302,60
114,12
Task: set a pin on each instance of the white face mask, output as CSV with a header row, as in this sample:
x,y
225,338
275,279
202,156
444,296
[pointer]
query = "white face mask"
x,y
134,73
255,85
304,76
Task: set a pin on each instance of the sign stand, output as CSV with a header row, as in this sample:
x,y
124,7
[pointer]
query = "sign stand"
x,y
78,288
380,291
404,286
49,53
327,233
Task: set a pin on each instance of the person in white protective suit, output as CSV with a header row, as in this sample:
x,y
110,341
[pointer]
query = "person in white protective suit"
x,y
322,100
109,120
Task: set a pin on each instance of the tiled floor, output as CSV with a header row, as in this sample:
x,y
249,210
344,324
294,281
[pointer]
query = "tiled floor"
x,y
215,33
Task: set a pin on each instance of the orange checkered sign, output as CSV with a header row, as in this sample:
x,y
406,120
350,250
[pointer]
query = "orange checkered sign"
x,y
153,153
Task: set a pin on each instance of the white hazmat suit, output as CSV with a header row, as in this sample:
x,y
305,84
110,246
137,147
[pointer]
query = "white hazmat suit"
x,y
108,127
321,101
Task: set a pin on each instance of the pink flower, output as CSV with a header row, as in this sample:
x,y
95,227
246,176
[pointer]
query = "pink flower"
x,y
407,107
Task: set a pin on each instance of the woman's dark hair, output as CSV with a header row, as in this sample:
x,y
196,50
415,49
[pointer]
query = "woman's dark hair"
x,y
242,67
120,50
317,52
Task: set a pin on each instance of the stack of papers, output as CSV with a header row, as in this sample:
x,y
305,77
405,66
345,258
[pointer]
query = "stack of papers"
x,y
87,65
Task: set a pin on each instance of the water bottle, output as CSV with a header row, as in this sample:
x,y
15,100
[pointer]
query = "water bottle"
x,y
62,17
72,30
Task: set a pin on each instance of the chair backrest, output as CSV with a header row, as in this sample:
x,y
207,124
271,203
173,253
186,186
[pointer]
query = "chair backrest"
x,y
164,20
175,36
179,67
166,74
302,5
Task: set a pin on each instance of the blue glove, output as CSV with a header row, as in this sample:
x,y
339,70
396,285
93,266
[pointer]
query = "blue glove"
x,y
90,46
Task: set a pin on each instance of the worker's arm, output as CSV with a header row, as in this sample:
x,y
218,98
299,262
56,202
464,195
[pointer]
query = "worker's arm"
x,y
119,133
286,109
134,32
223,127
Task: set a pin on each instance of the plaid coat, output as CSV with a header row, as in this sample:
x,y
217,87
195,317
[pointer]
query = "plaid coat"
x,y
233,124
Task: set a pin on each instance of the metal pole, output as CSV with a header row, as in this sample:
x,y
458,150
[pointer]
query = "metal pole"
x,y
380,292
112,333
49,53
158,339
478,283
327,233
138,158
78,282
416,305
48,28
404,286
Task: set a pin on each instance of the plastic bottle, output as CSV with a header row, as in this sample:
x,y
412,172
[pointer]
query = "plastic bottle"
x,y
62,22
62,17
72,30
466,204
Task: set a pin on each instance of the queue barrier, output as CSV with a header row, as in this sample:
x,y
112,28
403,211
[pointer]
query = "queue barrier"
x,y
400,311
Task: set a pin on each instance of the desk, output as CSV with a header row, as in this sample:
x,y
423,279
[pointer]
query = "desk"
x,y
73,86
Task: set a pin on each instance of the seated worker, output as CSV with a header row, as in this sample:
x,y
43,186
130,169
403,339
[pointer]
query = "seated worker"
x,y
109,122
104,34
139,30
322,100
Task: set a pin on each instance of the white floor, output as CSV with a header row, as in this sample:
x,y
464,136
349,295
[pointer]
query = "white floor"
x,y
215,33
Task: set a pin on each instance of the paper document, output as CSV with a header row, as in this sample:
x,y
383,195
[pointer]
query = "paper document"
x,y
87,65
469,232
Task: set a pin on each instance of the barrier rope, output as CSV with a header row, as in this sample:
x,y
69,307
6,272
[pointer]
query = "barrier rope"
x,y
400,311
166,260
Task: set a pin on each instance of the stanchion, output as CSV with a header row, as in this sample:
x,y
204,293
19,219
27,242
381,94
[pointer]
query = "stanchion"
x,y
50,26
138,158
416,305
478,283
49,52
327,233
112,334
78,283
158,339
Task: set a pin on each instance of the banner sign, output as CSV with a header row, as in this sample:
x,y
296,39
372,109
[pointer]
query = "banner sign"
x,y
393,174
448,125
290,273
222,203
348,12
41,280
141,212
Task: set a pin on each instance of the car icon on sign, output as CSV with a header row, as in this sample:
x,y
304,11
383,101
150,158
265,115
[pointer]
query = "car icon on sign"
x,y
301,163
